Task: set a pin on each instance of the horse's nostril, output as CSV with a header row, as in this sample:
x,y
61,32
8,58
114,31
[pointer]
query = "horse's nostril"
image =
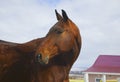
x,y
39,56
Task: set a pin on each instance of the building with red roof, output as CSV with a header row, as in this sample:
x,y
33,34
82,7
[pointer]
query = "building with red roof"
x,y
106,67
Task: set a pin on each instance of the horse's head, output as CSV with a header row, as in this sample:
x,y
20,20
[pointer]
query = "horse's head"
x,y
61,38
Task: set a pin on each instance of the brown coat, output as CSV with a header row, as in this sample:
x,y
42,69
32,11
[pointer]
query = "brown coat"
x,y
47,59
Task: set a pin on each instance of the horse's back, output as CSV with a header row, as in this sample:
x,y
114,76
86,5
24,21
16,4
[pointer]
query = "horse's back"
x,y
8,55
15,59
7,48
2,42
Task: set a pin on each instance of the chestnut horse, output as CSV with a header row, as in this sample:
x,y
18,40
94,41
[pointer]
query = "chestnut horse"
x,y
47,59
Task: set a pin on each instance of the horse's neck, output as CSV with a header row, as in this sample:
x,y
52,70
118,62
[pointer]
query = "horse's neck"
x,y
69,58
77,46
29,46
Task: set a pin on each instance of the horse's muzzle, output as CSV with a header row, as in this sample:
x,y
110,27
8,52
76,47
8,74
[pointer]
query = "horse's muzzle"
x,y
41,60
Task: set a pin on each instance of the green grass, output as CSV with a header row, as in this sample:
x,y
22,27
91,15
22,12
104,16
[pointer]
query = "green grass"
x,y
110,81
72,80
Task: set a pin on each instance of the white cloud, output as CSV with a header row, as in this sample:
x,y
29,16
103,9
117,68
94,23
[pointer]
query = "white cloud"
x,y
24,19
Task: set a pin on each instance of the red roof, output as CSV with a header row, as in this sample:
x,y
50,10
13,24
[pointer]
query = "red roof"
x,y
106,63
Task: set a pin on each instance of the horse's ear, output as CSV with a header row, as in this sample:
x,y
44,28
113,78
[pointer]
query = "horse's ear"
x,y
65,17
59,17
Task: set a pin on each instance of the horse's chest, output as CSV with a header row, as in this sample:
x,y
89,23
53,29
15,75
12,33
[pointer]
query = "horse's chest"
x,y
53,74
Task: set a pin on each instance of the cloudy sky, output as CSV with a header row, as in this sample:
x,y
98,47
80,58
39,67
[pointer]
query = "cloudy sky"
x,y
98,21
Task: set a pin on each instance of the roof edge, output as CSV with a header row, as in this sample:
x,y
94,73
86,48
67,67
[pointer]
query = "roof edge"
x,y
106,73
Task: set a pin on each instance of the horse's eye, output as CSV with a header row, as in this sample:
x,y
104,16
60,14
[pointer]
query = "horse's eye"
x,y
58,31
